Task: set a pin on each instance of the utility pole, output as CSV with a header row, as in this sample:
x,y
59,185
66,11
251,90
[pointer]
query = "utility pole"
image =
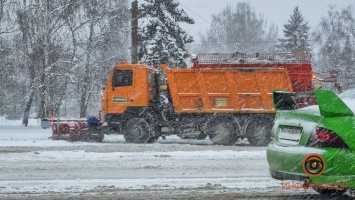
x,y
134,32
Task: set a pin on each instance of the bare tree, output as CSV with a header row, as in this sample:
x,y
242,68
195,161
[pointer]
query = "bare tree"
x,y
40,22
61,51
99,39
336,39
238,28
11,77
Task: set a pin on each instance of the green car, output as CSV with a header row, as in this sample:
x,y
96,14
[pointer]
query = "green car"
x,y
314,145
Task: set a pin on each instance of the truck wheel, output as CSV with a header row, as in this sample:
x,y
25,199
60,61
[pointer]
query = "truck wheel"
x,y
222,131
258,130
137,130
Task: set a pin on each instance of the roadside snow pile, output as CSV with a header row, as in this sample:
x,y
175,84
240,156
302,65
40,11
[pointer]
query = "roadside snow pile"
x,y
78,186
80,155
13,133
6,122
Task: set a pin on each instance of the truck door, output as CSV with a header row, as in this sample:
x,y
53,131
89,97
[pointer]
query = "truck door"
x,y
122,90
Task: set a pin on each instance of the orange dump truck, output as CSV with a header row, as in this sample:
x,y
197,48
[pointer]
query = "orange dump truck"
x,y
223,103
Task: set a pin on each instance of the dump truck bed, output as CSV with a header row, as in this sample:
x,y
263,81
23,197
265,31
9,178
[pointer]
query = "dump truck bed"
x,y
298,64
225,90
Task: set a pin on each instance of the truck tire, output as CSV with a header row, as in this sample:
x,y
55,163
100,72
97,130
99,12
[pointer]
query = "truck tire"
x,y
137,130
258,130
222,130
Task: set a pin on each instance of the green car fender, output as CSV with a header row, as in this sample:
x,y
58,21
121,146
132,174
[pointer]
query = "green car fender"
x,y
338,169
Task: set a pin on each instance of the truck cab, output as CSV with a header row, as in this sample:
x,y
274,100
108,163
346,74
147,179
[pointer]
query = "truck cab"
x,y
130,89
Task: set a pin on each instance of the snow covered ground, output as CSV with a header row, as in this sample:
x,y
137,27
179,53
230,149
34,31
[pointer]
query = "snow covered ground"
x,y
33,166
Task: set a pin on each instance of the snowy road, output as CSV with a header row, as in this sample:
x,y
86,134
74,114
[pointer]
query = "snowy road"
x,y
33,166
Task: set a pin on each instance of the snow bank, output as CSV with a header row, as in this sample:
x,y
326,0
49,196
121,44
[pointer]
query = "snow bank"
x,y
94,156
78,185
31,122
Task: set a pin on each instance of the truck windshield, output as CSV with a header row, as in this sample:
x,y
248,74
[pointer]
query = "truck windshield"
x,y
122,78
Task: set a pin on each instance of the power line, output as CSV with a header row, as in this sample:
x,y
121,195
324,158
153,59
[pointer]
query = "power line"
x,y
195,13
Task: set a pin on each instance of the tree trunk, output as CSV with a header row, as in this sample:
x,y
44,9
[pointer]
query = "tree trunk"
x,y
29,99
86,82
47,68
41,108
27,109
72,64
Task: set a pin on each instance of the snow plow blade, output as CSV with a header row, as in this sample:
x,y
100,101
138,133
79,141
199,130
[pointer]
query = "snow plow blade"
x,y
81,129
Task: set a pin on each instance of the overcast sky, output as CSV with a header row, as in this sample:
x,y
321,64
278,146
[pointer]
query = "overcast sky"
x,y
275,11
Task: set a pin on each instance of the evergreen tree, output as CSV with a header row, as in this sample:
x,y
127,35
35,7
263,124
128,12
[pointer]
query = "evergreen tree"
x,y
161,39
294,31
